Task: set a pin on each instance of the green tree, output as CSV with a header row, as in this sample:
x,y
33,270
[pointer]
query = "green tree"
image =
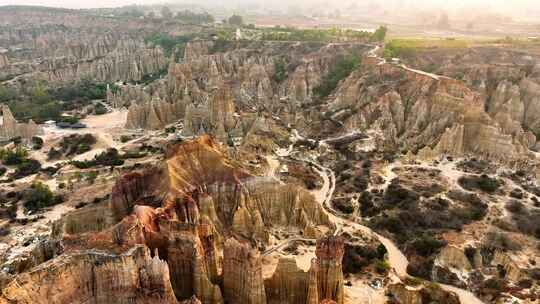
x,y
166,13
343,67
7,94
380,34
280,70
236,20
40,95
39,196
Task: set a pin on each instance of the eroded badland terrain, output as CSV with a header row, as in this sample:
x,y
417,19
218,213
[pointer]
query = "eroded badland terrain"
x,y
155,161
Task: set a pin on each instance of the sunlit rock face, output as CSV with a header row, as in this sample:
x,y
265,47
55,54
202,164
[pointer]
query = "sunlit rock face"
x,y
427,115
214,91
10,128
62,46
96,277
4,61
190,229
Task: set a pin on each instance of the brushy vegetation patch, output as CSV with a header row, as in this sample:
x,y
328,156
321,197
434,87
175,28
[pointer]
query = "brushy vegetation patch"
x,y
416,221
34,101
358,257
483,182
525,219
169,43
324,35
342,68
111,158
190,17
73,144
280,69
18,157
39,196
406,48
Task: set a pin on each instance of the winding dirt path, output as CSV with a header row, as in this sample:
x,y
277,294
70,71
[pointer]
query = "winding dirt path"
x,y
397,260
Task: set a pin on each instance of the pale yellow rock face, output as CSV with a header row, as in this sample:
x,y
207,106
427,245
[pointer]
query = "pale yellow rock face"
x,y
289,284
133,277
242,274
10,128
453,257
4,61
513,270
432,117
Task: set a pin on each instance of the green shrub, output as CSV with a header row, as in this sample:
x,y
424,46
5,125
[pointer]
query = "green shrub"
x,y
342,68
380,34
76,144
125,138
39,196
91,177
133,154
220,46
426,245
482,182
169,43
37,143
27,168
236,20
99,109
7,93
382,267
194,18
280,70
13,157
53,154
111,157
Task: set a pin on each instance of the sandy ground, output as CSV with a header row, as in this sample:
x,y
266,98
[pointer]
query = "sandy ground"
x,y
361,293
104,127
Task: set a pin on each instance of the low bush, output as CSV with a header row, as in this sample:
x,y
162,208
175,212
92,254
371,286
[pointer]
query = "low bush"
x,y
37,143
27,168
39,196
482,182
514,206
76,144
397,196
13,157
111,157
426,245
382,267
496,240
343,205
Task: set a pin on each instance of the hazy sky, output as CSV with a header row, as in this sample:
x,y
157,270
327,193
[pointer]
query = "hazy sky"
x,y
78,3
502,5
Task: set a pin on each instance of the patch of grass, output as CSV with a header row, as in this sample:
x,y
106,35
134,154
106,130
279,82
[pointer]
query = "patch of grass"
x,y
403,48
320,35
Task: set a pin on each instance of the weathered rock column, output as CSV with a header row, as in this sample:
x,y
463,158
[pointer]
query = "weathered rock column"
x,y
329,254
242,274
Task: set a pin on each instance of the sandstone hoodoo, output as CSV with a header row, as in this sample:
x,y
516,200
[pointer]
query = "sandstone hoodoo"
x,y
11,128
151,154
